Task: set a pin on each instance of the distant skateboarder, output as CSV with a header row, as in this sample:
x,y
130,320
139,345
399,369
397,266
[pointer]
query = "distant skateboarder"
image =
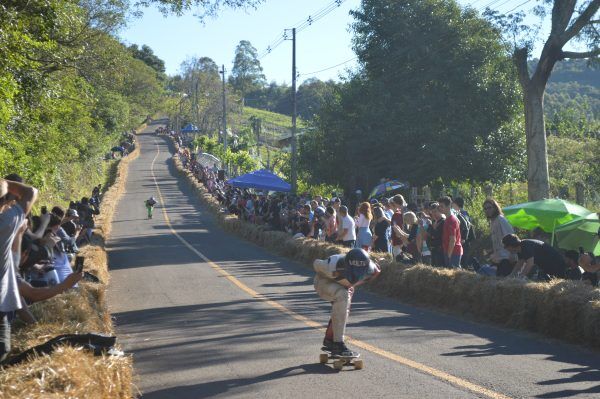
x,y
336,279
150,202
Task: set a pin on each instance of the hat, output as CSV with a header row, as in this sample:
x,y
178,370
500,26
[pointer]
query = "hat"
x,y
72,213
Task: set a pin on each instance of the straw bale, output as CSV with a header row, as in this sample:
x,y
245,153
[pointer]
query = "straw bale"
x,y
560,309
72,372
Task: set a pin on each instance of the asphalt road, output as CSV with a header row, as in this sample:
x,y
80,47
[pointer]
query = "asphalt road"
x,y
206,314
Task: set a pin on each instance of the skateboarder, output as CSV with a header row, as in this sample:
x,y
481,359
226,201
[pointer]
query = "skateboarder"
x,y
336,279
150,202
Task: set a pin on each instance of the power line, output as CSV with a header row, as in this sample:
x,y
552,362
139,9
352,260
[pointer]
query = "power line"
x,y
399,56
520,5
328,68
301,25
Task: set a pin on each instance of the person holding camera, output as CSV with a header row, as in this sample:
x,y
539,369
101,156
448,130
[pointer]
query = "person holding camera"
x,y
16,201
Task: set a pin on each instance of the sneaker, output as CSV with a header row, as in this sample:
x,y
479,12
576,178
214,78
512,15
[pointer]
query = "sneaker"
x,y
327,343
340,349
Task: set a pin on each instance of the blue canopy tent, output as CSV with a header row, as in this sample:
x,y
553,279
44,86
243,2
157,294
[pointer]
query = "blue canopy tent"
x,y
190,128
261,180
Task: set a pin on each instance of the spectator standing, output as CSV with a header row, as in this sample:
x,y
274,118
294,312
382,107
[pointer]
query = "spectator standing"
x,y
337,203
434,235
499,228
382,225
397,222
363,223
451,239
411,225
12,216
331,227
467,233
348,235
422,247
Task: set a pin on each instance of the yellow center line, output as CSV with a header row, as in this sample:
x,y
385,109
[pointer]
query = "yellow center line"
x,y
441,375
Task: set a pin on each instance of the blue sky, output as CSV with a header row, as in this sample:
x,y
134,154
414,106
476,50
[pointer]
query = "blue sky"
x,y
324,44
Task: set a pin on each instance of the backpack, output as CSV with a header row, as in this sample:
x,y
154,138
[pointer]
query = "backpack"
x,y
467,233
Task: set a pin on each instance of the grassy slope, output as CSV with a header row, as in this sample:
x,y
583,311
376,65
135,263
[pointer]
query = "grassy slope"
x,y
271,118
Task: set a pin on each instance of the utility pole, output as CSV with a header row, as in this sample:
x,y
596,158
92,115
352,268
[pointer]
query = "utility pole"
x,y
224,114
197,108
294,175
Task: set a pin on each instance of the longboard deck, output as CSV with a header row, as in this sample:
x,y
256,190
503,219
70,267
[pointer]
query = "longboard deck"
x,y
340,361
332,356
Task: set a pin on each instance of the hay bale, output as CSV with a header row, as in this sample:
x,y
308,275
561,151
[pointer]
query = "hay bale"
x,y
537,307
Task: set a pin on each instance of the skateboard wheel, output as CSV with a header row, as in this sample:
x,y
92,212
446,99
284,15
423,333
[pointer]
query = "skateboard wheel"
x,y
323,358
338,364
358,365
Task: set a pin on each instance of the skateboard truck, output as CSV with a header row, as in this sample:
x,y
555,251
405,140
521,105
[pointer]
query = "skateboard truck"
x,y
340,361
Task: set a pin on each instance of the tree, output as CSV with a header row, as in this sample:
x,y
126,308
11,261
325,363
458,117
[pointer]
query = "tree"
x,y
247,74
432,100
571,21
207,7
146,54
312,94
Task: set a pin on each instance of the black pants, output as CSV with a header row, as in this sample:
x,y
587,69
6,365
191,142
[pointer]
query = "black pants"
x,y
349,244
4,336
437,257
504,268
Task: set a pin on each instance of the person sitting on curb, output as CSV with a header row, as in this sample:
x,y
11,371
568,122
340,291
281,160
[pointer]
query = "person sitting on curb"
x,y
336,279
535,252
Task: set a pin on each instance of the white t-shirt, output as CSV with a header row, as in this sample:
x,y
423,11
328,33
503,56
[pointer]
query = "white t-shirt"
x,y
10,221
348,223
363,221
328,266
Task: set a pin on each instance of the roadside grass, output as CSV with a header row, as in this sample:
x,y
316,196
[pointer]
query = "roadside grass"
x,y
561,309
71,372
273,118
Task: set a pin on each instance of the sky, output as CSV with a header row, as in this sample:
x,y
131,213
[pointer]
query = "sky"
x,y
325,44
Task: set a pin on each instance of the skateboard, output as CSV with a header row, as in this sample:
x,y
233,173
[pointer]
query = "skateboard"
x,y
340,361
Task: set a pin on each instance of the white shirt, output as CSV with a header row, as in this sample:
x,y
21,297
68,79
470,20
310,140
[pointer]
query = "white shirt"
x,y
10,221
363,221
348,223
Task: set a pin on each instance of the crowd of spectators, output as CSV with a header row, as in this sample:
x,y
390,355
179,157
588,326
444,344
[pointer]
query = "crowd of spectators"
x,y
38,253
438,233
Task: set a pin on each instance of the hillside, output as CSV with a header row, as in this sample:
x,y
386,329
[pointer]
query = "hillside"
x,y
274,126
574,84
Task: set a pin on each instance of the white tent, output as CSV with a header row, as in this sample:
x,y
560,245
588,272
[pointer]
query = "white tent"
x,y
208,160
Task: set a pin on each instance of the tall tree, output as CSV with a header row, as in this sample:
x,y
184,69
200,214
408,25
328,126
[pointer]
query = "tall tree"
x,y
146,54
436,98
571,21
247,74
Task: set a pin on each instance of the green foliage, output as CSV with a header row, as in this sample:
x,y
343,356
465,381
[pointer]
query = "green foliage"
x,y
68,88
247,74
239,161
422,108
271,118
146,54
312,94
572,161
199,94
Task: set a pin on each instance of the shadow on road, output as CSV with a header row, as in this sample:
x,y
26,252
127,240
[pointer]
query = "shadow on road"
x,y
212,388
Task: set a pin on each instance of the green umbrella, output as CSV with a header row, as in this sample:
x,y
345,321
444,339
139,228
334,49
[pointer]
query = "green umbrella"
x,y
546,214
580,233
